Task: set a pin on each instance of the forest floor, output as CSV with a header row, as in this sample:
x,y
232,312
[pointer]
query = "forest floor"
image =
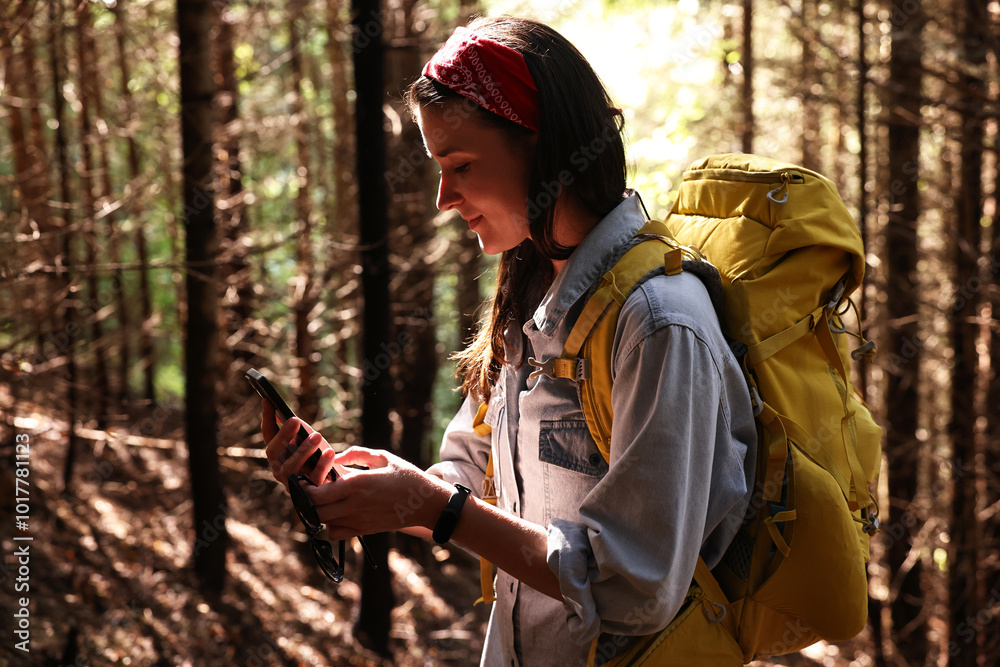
x,y
110,582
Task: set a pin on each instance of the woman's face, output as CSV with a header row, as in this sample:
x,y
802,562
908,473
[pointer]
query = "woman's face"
x,y
484,175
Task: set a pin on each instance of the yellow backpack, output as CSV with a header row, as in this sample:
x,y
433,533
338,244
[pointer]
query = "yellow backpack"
x,y
789,255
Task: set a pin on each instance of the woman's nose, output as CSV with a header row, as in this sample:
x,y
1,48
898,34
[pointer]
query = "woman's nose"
x,y
447,197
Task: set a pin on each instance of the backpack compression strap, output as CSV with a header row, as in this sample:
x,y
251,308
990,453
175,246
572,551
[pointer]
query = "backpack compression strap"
x,y
817,322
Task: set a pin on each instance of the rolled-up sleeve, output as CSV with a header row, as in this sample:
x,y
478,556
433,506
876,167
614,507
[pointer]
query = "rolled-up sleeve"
x,y
464,453
677,474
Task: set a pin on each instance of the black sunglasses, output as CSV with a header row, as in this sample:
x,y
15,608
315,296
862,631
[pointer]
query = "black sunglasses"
x,y
322,548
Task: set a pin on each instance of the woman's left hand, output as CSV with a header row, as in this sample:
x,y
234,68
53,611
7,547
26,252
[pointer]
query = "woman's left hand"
x,y
391,494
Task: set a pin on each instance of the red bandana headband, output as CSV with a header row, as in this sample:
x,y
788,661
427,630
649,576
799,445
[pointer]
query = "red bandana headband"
x,y
490,74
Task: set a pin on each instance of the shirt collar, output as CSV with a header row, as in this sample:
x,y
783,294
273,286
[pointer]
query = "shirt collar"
x,y
587,263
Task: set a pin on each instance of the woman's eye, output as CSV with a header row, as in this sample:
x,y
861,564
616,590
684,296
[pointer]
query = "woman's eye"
x,y
462,168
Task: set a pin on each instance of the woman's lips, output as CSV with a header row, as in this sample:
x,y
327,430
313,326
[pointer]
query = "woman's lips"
x,y
474,222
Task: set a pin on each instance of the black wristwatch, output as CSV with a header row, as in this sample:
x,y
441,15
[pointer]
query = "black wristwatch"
x,y
449,517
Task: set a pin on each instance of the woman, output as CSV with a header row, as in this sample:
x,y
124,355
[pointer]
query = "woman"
x,y
531,156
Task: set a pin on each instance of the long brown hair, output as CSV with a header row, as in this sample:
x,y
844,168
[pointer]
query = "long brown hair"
x,y
579,151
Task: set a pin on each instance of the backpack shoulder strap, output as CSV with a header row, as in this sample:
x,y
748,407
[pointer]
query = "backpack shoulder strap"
x,y
586,356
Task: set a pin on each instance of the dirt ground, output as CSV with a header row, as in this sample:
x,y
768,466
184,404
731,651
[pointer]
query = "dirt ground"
x,y
109,581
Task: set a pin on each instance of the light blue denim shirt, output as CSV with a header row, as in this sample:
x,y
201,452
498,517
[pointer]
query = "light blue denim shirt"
x,y
623,538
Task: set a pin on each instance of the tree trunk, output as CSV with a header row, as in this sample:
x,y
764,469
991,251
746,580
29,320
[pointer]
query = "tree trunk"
x,y
377,599
874,604
965,587
194,20
102,385
747,62
38,302
344,188
37,186
304,298
862,105
991,277
342,214
57,54
234,216
902,447
30,175
414,330
469,253
106,203
133,209
812,108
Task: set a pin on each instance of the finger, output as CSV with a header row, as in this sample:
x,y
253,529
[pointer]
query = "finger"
x,y
333,504
278,443
297,459
277,451
323,467
362,456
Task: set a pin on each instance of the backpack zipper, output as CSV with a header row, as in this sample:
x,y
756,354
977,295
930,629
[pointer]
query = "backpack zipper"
x,y
746,176
778,195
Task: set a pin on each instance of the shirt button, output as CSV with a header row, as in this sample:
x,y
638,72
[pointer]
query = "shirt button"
x,y
595,459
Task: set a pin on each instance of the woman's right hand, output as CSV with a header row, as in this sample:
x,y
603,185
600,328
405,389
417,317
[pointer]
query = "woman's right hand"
x,y
279,442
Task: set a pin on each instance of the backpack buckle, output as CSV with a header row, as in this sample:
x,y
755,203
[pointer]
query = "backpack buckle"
x,y
870,523
557,368
545,368
836,293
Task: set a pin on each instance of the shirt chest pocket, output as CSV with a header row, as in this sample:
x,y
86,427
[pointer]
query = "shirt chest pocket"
x,y
568,445
571,465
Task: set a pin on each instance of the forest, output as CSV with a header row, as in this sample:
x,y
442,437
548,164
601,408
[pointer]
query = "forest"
x,y
193,188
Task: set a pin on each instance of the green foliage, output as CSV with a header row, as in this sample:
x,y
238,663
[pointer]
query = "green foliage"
x,y
664,65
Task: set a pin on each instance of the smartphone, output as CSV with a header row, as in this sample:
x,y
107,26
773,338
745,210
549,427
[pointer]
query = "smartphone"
x,y
267,391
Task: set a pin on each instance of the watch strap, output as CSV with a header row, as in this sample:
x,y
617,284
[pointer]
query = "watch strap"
x,y
448,520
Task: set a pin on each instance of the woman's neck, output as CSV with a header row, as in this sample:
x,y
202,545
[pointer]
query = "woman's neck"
x,y
573,221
